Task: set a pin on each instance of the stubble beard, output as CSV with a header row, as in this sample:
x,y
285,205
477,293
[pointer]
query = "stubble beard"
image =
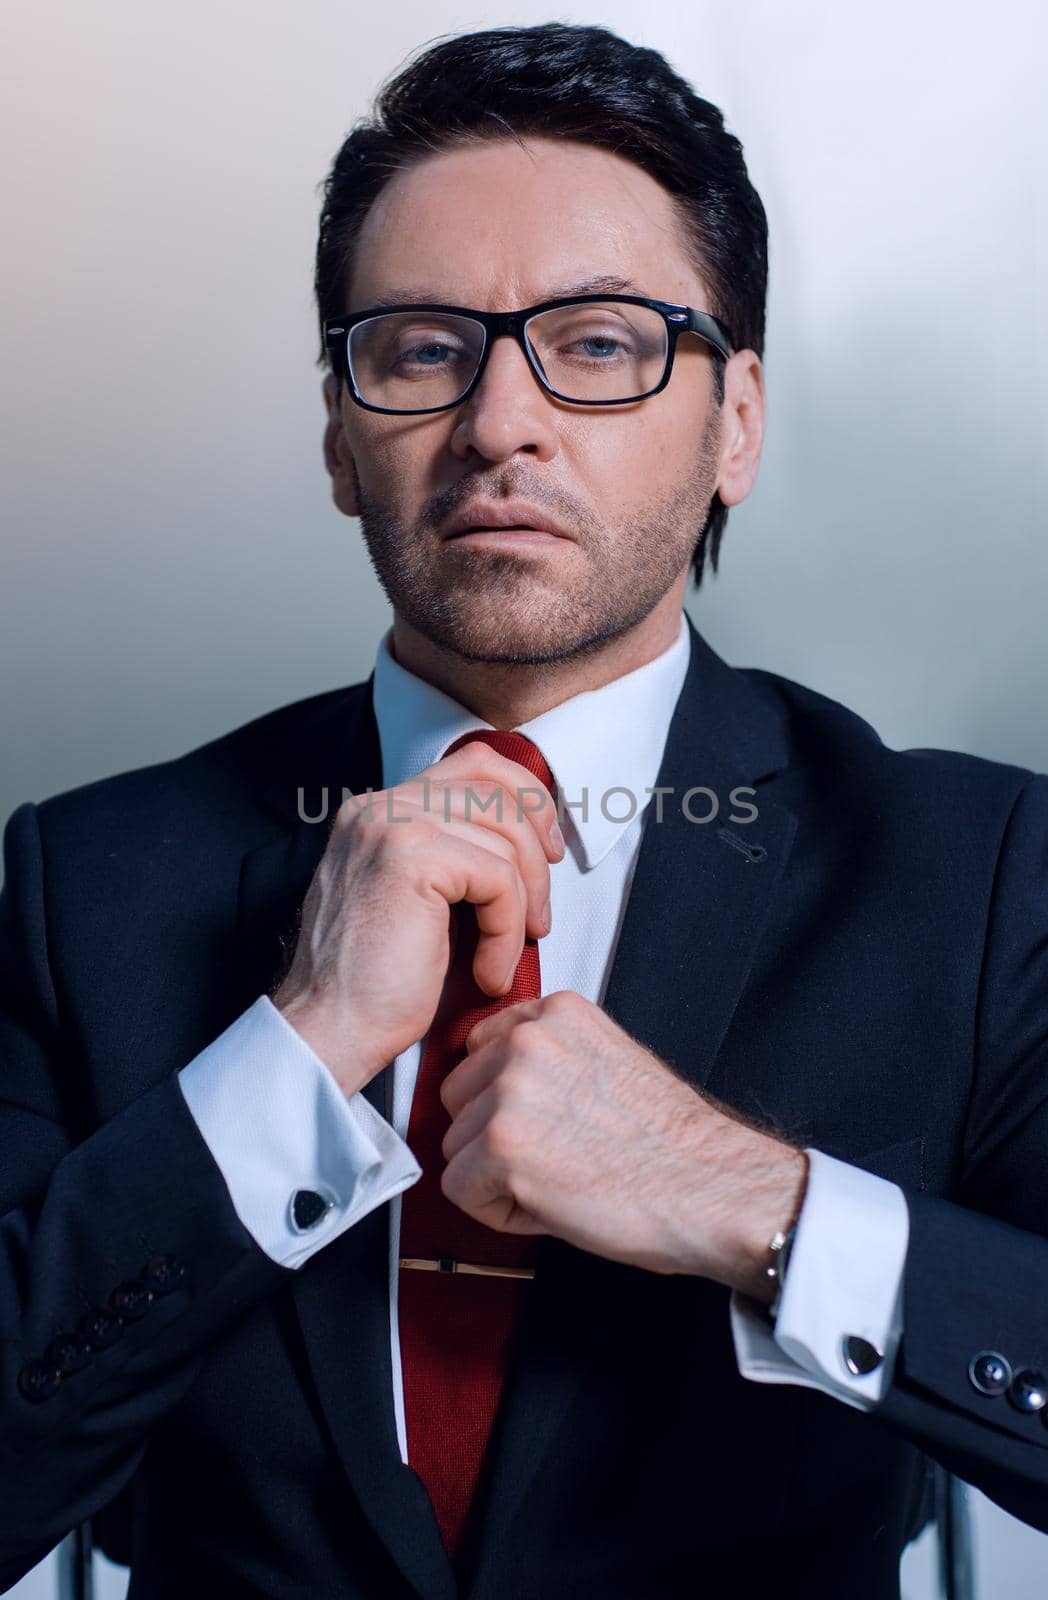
x,y
496,606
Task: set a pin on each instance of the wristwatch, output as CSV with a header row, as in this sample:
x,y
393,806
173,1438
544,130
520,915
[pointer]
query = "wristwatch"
x,y
780,1248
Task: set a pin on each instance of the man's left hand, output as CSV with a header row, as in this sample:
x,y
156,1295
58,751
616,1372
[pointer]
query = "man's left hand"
x,y
564,1124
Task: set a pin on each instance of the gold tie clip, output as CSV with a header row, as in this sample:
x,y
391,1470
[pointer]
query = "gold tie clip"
x,y
446,1264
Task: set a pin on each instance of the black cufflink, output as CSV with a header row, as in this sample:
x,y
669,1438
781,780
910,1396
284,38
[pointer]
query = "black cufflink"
x,y
860,1356
306,1209
989,1372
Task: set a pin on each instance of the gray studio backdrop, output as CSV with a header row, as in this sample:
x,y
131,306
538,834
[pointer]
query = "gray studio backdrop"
x,y
171,564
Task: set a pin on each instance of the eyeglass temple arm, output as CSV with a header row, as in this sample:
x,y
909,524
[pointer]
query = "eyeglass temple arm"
x,y
710,329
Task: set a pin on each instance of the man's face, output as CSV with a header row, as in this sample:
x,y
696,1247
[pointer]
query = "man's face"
x,y
495,227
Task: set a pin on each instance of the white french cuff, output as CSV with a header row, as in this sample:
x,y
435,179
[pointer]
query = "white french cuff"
x,y
843,1290
279,1127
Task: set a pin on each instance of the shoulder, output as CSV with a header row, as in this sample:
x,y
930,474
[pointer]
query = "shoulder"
x,y
833,747
215,788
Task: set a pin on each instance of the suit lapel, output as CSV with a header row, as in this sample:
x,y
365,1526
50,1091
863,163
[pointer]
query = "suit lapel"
x,y
698,903
341,1295
702,890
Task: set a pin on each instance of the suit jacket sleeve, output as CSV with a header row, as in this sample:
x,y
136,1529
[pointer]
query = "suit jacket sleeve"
x,y
976,1272
139,1197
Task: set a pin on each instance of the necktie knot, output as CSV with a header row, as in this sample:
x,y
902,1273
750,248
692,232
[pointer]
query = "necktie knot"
x,y
515,746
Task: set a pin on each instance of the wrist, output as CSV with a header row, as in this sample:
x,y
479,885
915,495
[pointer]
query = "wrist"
x,y
334,1039
768,1193
769,1222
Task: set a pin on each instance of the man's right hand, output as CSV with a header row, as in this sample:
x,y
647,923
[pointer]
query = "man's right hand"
x,y
374,938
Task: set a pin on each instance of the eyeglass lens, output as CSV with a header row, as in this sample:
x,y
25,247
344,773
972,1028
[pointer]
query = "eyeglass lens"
x,y
411,360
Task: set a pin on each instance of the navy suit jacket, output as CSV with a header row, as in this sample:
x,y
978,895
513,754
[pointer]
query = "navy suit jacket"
x,y
863,968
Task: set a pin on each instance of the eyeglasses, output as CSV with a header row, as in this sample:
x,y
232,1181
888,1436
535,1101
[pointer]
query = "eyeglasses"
x,y
587,349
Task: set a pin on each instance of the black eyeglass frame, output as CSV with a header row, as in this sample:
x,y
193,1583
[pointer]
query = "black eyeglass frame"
x,y
678,319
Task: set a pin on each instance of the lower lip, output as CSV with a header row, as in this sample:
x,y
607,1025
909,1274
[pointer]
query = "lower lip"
x,y
508,538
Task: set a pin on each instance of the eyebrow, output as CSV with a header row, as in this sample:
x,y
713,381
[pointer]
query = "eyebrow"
x,y
601,283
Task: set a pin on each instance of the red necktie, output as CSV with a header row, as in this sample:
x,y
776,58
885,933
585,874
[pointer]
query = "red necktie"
x,y
455,1326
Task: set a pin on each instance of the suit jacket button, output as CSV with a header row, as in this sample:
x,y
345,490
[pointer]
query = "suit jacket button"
x,y
860,1356
39,1380
1029,1390
69,1352
989,1372
131,1299
100,1327
307,1208
162,1273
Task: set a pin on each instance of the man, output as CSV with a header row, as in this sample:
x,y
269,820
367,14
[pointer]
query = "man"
x,y
405,1197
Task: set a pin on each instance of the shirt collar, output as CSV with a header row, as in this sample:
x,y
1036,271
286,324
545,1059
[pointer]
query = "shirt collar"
x,y
596,743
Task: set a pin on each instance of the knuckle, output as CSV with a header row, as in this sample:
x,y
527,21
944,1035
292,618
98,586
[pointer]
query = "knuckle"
x,y
507,868
512,1085
475,796
526,1035
561,1000
354,812
475,1036
500,1137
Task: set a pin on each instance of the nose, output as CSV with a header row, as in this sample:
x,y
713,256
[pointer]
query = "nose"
x,y
508,411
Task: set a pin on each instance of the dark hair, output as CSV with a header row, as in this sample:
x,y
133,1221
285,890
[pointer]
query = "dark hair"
x,y
573,82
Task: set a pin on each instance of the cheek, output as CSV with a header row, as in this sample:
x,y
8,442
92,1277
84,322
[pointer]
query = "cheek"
x,y
621,460
672,448
399,464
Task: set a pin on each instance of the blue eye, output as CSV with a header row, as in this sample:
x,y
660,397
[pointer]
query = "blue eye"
x,y
609,346
427,357
424,354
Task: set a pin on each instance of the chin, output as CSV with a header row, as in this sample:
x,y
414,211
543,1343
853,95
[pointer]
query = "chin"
x,y
500,634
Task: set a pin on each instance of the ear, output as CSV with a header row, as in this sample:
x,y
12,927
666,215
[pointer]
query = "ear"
x,y
338,457
742,426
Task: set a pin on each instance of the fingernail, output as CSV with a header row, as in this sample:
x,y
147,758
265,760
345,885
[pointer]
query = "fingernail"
x,y
547,915
557,838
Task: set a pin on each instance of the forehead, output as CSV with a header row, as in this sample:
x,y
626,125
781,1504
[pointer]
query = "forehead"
x,y
500,224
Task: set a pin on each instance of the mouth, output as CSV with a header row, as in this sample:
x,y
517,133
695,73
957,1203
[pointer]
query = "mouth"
x,y
501,538
499,523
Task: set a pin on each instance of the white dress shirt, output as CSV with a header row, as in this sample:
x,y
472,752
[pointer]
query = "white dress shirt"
x,y
276,1120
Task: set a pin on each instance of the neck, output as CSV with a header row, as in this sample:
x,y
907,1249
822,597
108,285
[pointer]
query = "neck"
x,y
507,694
